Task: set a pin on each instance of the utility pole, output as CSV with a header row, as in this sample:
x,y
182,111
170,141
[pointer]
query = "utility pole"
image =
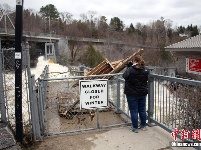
x,y
18,70
50,29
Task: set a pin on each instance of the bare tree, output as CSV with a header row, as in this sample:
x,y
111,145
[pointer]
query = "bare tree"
x,y
139,27
7,8
29,17
102,26
66,17
91,15
6,21
74,40
83,17
169,31
74,47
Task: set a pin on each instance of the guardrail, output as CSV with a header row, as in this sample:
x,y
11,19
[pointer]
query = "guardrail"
x,y
174,104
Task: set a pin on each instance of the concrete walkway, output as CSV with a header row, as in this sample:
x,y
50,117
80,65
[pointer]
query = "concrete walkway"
x,y
120,138
154,138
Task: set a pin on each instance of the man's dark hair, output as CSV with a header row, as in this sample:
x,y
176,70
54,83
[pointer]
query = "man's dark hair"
x,y
129,64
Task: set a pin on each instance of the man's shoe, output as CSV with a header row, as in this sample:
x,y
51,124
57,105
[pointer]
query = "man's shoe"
x,y
140,126
135,130
144,129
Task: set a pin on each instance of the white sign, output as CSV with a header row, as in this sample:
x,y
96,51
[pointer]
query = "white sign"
x,y
18,55
93,94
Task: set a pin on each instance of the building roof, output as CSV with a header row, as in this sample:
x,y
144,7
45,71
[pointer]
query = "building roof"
x,y
190,44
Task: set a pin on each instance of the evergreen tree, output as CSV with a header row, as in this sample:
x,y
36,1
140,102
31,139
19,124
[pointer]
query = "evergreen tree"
x,y
189,28
181,29
92,57
49,11
131,29
94,33
194,31
117,24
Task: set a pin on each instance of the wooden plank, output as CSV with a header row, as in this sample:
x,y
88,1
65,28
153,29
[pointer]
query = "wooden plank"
x,y
114,63
110,64
106,67
122,64
107,70
103,68
94,70
100,69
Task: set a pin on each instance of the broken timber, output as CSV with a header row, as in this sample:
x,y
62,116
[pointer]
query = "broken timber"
x,y
106,67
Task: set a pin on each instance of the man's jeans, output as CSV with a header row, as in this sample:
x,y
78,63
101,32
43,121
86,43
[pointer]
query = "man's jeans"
x,y
137,104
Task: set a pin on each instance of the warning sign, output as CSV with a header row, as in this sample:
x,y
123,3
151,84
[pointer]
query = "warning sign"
x,y
193,65
93,94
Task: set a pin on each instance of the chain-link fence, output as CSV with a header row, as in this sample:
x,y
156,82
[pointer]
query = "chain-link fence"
x,y
61,111
7,87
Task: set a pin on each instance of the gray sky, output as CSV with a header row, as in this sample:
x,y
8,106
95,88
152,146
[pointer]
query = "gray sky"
x,y
181,12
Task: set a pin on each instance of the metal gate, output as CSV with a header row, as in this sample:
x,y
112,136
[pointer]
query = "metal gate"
x,y
60,103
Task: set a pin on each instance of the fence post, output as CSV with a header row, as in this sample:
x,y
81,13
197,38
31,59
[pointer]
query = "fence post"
x,y
2,100
118,95
98,118
44,93
150,100
34,111
45,84
40,105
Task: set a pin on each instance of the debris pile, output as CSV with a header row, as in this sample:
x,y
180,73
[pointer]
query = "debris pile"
x,y
68,108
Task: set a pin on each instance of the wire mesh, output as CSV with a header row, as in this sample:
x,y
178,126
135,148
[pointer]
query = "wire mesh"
x,y
8,71
63,113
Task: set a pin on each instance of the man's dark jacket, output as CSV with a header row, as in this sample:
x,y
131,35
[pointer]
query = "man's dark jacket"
x,y
136,81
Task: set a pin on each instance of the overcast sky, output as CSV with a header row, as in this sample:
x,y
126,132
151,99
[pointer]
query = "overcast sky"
x,y
181,12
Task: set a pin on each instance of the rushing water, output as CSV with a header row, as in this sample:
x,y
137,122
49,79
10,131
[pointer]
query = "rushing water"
x,y
59,71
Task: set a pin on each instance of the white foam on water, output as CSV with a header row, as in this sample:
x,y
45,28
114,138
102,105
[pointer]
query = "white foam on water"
x,y
55,70
39,67
62,71
58,71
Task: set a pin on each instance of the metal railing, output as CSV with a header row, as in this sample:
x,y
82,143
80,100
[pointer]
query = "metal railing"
x,y
174,103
